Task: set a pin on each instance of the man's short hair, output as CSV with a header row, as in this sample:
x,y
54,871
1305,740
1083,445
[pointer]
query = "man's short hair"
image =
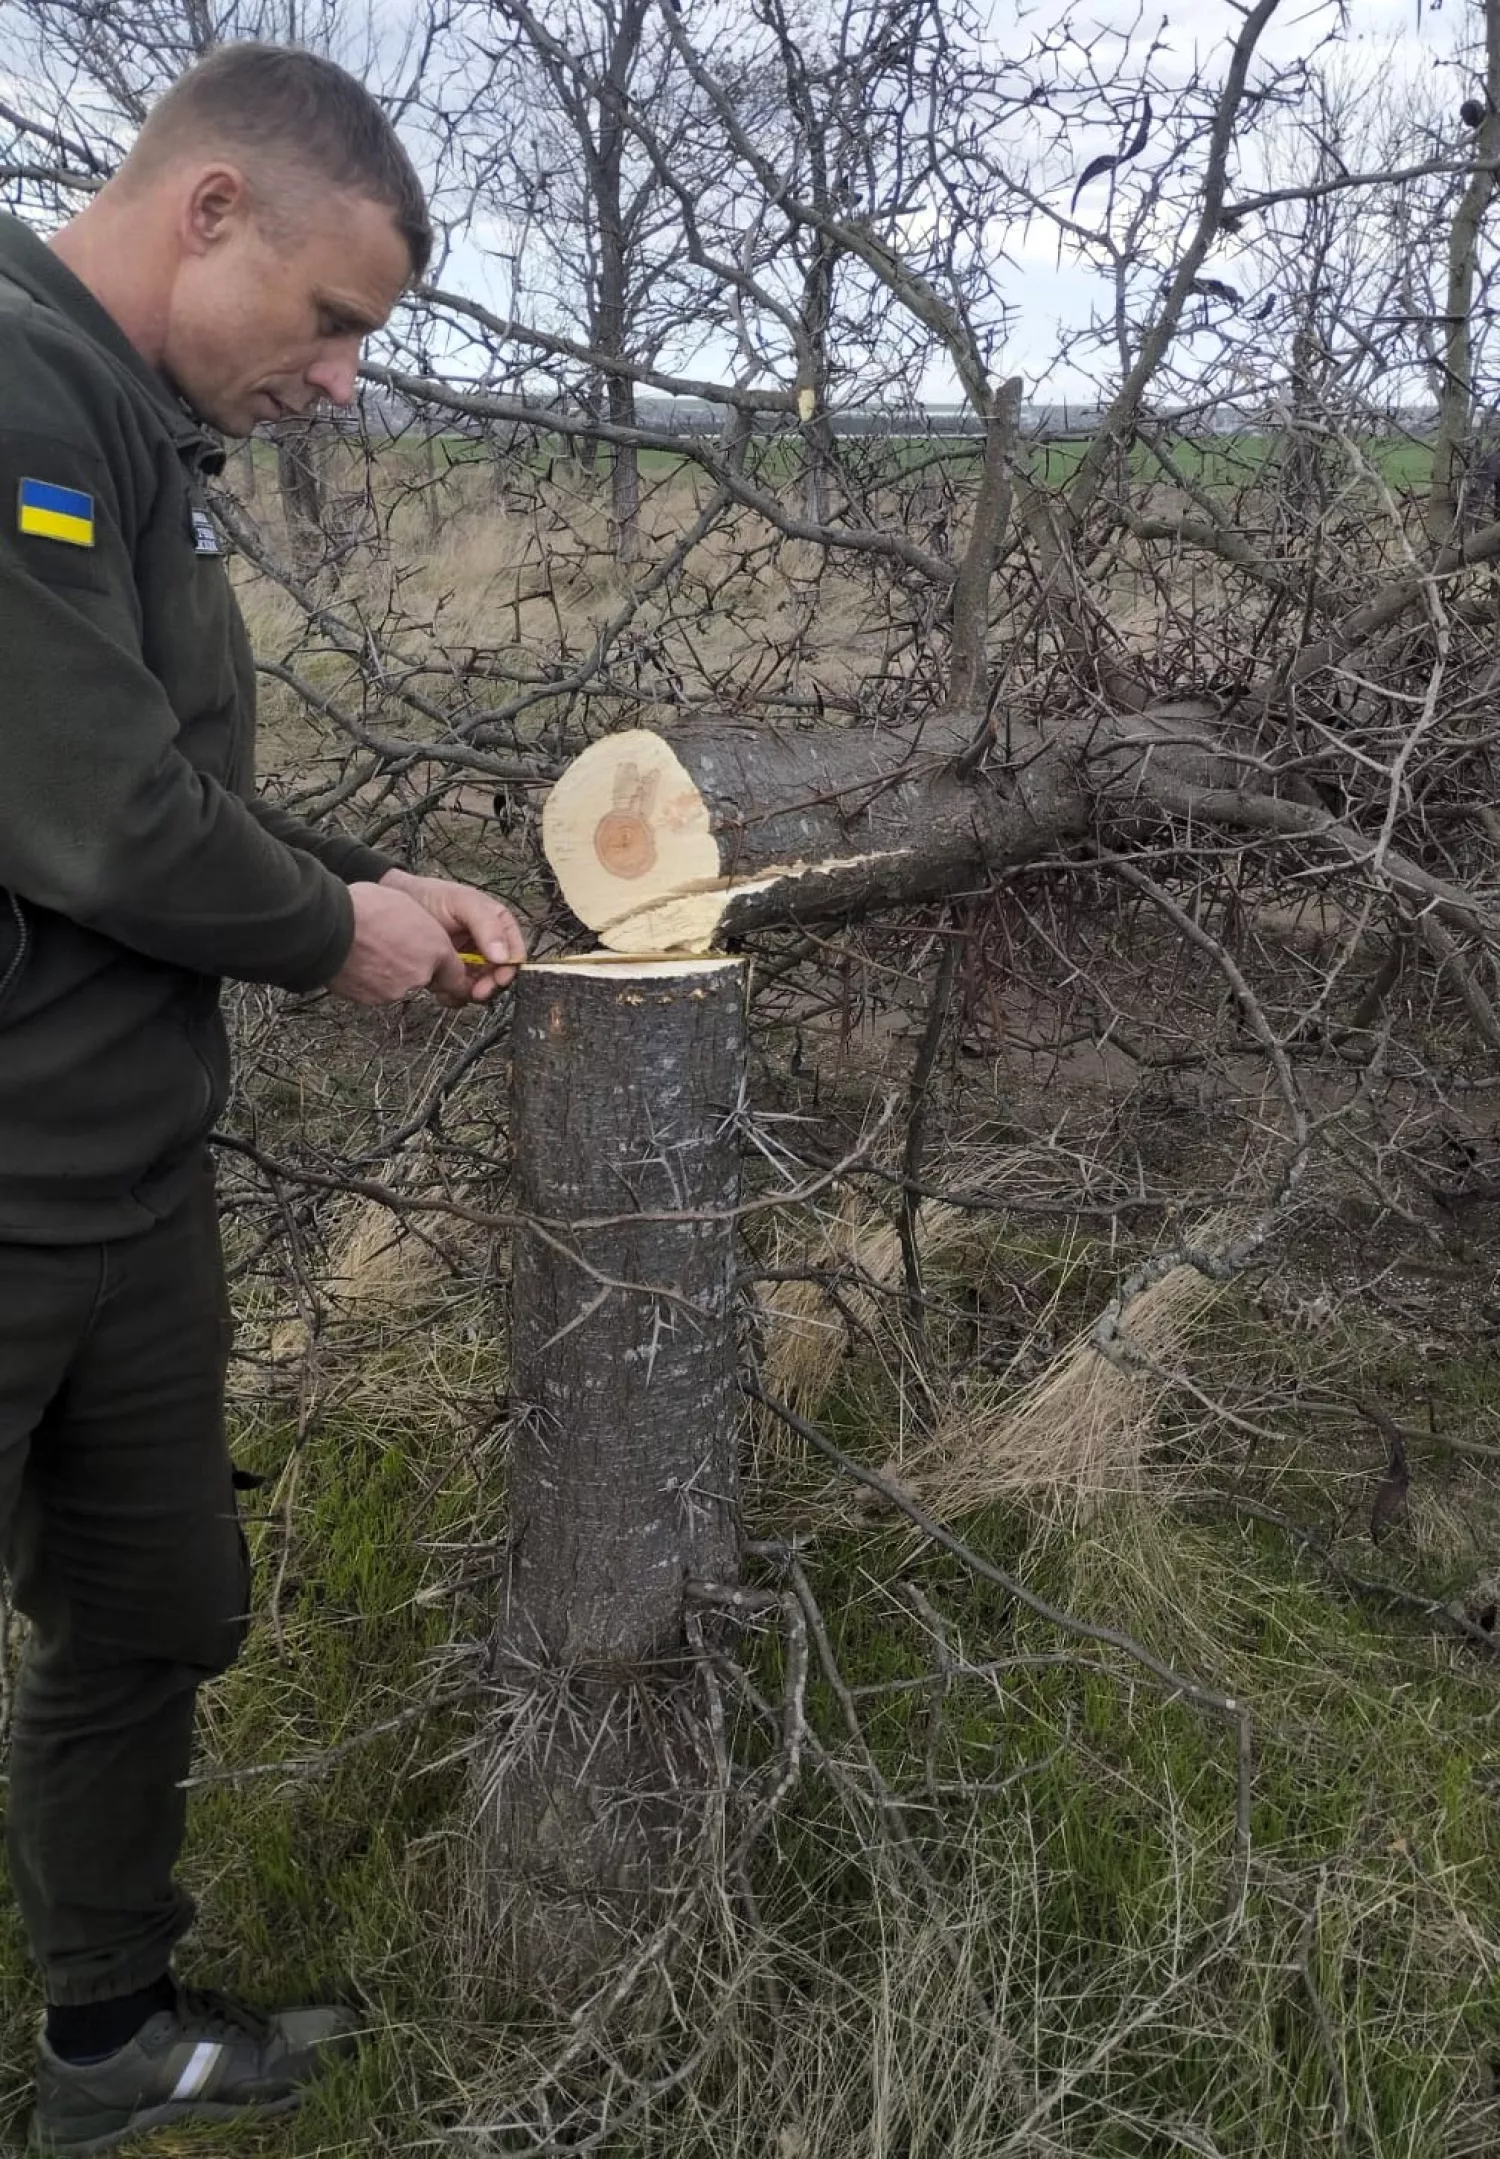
x,y
277,106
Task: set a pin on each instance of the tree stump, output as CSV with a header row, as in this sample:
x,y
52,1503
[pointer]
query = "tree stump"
x,y
624,1472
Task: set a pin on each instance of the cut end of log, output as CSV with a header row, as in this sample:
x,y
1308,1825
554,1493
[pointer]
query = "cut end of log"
x,y
625,829
649,863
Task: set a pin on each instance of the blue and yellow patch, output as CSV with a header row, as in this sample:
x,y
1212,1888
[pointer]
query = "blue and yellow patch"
x,y
56,513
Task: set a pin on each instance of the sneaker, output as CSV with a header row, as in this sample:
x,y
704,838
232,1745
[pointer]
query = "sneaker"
x,y
209,2059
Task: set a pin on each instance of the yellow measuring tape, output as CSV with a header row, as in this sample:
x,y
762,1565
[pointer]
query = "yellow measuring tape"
x,y
588,959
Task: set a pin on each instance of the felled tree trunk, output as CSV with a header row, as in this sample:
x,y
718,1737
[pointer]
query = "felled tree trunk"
x,y
624,1474
677,842
681,842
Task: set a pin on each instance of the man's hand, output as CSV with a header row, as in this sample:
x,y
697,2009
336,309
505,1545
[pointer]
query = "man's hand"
x,y
472,922
397,948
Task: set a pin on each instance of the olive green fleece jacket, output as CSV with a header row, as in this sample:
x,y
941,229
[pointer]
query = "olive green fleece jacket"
x,y
136,866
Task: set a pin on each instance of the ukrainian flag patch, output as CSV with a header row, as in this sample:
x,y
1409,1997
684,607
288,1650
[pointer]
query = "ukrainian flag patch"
x,y
56,513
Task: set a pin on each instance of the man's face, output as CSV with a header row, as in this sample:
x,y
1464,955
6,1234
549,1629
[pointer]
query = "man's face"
x,y
267,319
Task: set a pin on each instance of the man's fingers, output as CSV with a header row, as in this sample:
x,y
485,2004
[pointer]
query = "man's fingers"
x,y
500,943
483,986
513,938
450,979
492,930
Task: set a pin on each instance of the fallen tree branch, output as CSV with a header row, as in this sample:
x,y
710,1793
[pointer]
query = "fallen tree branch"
x,y
1451,1617
317,1765
688,837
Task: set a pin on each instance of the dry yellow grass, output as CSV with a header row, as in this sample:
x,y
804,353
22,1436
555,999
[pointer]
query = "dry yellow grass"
x,y
462,571
1085,1426
808,1329
378,1273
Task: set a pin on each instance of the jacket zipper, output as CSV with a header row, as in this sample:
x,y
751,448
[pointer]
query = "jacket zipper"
x,y
18,958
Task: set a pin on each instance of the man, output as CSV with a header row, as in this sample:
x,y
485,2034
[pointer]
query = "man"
x,y
264,222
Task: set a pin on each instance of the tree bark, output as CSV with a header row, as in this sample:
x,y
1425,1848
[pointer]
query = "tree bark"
x,y
1451,448
624,479
968,674
617,259
431,485
624,1471
300,453
812,385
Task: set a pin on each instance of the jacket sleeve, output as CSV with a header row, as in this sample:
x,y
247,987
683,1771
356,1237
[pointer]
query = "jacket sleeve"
x,y
350,862
102,819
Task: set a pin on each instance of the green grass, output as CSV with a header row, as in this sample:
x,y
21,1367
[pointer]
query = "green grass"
x,y
1223,464
1372,1900
1220,464
1359,1984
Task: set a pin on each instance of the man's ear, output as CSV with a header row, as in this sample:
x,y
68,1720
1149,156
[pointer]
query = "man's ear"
x,y
218,203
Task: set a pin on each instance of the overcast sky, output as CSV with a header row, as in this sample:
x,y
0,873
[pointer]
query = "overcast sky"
x,y
1398,39
1047,295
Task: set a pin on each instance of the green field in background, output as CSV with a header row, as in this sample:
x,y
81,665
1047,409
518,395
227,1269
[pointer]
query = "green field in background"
x,y
1219,463
1222,465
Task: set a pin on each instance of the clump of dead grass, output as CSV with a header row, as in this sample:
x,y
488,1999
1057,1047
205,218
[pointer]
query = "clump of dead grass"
x,y
1085,1425
380,1274
854,1269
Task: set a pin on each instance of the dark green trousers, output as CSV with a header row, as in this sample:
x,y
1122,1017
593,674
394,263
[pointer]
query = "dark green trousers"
x,y
118,1527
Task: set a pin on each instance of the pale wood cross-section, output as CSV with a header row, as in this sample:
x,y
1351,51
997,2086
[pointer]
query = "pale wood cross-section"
x,y
657,845
628,836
